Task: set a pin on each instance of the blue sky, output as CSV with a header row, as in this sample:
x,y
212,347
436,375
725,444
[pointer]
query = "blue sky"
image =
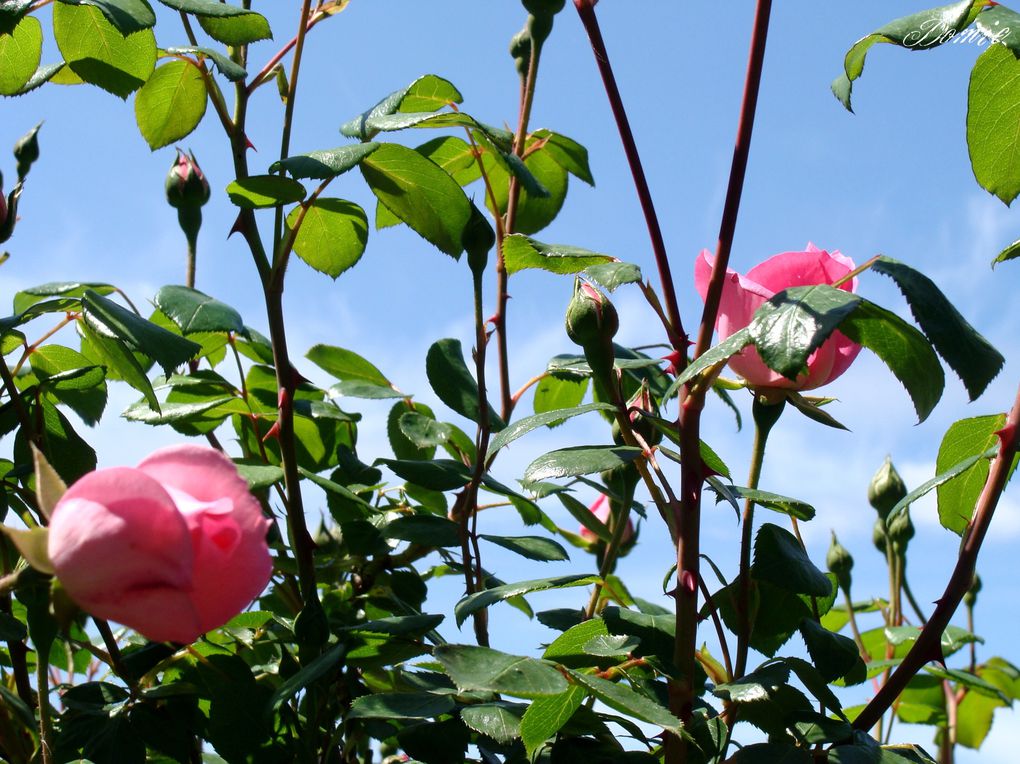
x,y
893,179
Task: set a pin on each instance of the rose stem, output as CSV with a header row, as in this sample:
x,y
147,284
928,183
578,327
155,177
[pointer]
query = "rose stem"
x,y
928,644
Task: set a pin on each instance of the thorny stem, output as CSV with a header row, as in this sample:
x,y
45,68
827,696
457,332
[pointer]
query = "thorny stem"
x,y
928,647
590,21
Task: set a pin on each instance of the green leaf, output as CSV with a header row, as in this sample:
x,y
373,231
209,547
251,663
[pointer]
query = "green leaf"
x,y
423,431
32,545
226,66
346,365
568,648
213,8
401,705
127,16
969,354
235,29
170,104
918,31
559,392
11,13
834,655
1009,253
622,698
480,668
452,382
321,165
532,547
480,600
72,379
579,460
543,183
903,349
260,191
427,93
993,105
499,721
567,153
42,75
403,447
172,413
438,474
771,753
421,194
322,666
26,298
950,474
332,235
974,718
781,560
787,506
258,475
20,53
194,311
454,155
795,322
111,320
547,715
522,252
120,361
99,54
613,275
969,440
426,530
526,425
711,357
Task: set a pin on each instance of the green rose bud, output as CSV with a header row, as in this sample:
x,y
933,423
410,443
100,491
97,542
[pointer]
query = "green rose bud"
x,y
520,50
591,318
26,151
886,489
840,563
900,530
543,7
540,27
186,186
970,598
879,537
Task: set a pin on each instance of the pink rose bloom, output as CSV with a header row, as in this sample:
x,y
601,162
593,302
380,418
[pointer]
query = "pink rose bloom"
x,y
172,548
743,295
600,508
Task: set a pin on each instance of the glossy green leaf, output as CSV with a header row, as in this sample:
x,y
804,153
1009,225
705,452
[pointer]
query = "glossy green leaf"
x,y
918,31
579,460
787,506
613,275
969,440
402,445
543,187
547,715
26,298
438,474
261,191
834,655
418,192
532,547
423,431
172,413
952,473
98,53
480,668
214,8
974,716
568,648
332,236
771,753
567,153
903,349
716,355
522,252
346,365
11,13
127,16
622,698
1009,253
119,360
526,425
499,721
781,560
455,155
969,354
111,320
72,379
310,673
479,600
795,322
170,104
194,311
427,93
226,66
20,53
453,383
559,392
427,530
330,163
235,29
585,516
993,105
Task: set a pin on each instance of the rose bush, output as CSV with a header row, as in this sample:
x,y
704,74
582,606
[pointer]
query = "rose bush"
x,y
172,548
743,295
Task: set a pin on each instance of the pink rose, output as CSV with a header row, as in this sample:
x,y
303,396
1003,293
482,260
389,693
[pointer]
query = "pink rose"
x,y
600,508
742,295
172,548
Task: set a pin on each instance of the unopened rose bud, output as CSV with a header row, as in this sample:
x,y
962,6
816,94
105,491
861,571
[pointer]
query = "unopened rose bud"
x,y
543,7
879,537
840,563
8,212
603,510
970,598
591,318
900,530
886,489
520,50
26,151
186,185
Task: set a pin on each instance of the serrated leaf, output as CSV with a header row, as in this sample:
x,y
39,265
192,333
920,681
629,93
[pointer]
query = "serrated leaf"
x,y
170,104
481,668
834,655
579,460
499,721
969,354
1009,253
213,8
903,349
20,53
127,16
781,560
965,440
332,236
261,191
559,392
194,311
330,163
521,252
613,275
993,104
98,53
235,29
567,153
426,530
421,194
783,504
711,357
401,705
547,715
526,425
622,698
453,383
438,474
226,66
480,600
531,547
